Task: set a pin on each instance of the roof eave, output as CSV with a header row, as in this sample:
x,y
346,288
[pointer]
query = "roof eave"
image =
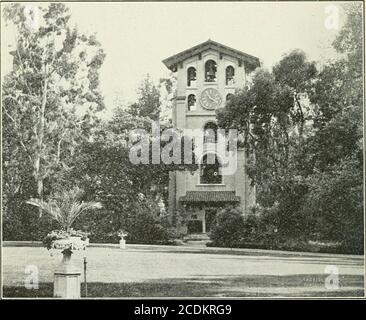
x,y
171,62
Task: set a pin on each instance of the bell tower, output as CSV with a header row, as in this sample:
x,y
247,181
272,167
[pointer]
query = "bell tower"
x,y
207,76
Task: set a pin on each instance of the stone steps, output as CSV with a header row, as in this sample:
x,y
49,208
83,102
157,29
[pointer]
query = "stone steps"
x,y
197,237
197,243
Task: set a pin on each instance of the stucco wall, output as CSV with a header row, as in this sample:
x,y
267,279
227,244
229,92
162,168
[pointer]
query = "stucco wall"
x,y
184,119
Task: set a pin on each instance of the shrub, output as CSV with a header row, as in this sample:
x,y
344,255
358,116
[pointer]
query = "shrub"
x,y
228,228
145,227
335,203
146,224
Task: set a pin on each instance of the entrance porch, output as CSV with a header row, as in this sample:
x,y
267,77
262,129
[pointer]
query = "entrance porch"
x,y
202,207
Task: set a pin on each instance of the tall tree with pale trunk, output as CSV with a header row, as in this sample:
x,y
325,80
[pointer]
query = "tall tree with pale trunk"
x,y
51,95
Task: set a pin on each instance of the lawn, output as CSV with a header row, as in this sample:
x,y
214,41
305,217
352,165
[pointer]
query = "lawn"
x,y
154,271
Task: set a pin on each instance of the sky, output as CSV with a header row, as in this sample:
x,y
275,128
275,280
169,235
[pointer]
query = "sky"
x,y
136,37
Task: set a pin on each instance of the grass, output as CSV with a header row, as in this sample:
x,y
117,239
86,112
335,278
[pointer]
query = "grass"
x,y
248,286
183,272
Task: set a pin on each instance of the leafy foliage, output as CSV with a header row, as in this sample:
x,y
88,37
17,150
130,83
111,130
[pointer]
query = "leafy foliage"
x,y
65,207
49,104
303,132
50,241
228,227
148,104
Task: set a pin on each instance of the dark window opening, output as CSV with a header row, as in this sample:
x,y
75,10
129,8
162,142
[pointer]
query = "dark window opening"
x,y
230,76
229,96
210,170
191,76
191,102
210,132
210,71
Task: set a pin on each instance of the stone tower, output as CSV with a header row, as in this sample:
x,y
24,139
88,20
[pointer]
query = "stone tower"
x,y
207,75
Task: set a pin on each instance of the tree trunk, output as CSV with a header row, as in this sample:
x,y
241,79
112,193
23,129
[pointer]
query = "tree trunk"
x,y
37,170
302,119
40,188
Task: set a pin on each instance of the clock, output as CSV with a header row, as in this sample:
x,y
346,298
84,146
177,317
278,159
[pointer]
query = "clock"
x,y
210,99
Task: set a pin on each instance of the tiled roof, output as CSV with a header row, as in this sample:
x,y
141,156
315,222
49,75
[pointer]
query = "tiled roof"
x,y
210,196
250,61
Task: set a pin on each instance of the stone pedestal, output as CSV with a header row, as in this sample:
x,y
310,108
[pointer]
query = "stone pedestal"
x,y
122,243
67,279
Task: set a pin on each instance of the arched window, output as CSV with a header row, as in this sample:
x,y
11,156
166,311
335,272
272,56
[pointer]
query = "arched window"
x,y
191,102
210,132
191,77
210,169
229,96
230,76
210,71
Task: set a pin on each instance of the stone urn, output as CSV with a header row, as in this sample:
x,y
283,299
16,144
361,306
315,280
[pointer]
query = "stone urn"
x,y
122,241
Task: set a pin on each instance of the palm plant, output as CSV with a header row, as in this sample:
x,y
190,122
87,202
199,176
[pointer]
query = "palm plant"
x,y
65,207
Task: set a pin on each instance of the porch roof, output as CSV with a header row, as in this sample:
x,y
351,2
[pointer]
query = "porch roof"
x,y
210,196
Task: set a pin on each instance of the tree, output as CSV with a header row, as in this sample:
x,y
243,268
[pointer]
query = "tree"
x,y
148,103
49,104
305,129
350,40
267,115
131,193
338,97
54,77
298,74
335,198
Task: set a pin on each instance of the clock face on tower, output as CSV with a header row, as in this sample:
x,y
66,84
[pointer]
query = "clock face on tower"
x,y
210,99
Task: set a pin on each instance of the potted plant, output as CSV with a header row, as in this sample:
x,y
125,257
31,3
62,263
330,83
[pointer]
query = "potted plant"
x,y
64,208
66,240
